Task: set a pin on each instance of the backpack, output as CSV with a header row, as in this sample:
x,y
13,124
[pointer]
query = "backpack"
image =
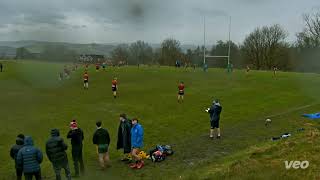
x,y
160,153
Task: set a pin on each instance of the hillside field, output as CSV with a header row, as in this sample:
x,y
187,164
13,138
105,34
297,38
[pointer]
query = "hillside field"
x,y
33,101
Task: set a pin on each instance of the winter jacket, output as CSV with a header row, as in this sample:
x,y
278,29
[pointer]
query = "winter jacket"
x,y
29,157
124,136
56,148
15,149
137,136
215,112
101,136
76,137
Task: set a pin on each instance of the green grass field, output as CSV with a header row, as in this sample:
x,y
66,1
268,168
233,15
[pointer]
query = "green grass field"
x,y
33,101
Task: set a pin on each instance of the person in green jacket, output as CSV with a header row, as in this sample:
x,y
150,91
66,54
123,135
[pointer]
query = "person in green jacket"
x,y
101,139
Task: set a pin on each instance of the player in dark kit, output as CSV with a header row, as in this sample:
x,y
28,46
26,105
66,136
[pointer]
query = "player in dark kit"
x,y
104,66
181,92
114,87
86,80
275,69
248,69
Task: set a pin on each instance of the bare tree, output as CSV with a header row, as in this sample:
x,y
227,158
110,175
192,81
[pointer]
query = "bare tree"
x,y
170,51
310,36
120,54
262,46
140,53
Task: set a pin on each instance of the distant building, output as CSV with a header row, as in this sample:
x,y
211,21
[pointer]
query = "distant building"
x,y
91,58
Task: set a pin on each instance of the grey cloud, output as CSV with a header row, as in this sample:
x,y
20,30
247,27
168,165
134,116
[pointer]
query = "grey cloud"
x,y
3,26
53,19
209,12
78,26
149,20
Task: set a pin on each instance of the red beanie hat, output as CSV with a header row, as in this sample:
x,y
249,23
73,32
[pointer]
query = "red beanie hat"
x,y
73,125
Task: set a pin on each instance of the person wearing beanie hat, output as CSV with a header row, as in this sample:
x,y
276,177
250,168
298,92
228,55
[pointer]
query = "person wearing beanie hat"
x,y
14,152
76,136
124,136
215,112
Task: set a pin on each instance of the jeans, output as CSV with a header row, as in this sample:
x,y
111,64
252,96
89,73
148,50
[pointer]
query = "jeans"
x,y
37,175
77,160
19,173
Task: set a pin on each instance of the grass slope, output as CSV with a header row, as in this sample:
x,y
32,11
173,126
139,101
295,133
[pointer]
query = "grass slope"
x,y
33,101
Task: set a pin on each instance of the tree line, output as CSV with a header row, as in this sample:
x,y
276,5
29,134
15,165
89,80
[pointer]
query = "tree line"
x,y
262,49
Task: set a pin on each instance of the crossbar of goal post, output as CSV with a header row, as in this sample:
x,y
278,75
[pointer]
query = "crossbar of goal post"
x,y
217,56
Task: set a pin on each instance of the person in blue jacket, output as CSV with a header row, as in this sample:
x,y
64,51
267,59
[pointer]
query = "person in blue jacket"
x,y
215,112
29,159
136,143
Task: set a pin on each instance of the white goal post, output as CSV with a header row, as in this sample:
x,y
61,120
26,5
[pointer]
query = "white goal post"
x,y
204,45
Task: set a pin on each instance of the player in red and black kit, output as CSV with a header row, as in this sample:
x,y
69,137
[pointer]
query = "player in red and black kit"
x,y
86,80
181,92
97,67
114,87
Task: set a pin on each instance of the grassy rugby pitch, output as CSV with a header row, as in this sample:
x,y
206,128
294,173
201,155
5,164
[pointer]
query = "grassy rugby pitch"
x,y
33,101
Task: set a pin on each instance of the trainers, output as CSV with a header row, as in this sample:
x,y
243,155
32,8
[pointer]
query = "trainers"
x,y
140,165
133,165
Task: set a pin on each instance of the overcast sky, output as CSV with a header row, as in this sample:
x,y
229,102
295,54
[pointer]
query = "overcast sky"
x,y
109,21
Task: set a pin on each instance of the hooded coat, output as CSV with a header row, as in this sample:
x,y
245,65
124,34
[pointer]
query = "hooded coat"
x,y
124,136
29,157
15,149
56,148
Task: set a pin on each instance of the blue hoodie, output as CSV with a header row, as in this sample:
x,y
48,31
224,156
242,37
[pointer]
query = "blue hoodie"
x,y
137,136
29,157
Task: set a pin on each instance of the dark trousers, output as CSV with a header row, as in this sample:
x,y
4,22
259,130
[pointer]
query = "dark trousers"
x,y
57,170
37,175
77,159
19,173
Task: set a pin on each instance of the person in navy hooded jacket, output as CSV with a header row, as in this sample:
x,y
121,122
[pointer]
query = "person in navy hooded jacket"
x,y
30,158
215,112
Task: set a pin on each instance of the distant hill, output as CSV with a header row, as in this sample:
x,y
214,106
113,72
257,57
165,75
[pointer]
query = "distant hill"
x,y
9,47
38,46
7,51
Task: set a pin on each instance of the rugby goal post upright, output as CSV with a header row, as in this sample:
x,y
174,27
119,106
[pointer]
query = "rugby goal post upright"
x,y
204,44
